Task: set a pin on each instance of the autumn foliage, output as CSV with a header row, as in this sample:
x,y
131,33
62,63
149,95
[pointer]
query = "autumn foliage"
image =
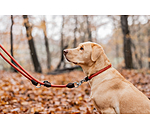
x,y
18,95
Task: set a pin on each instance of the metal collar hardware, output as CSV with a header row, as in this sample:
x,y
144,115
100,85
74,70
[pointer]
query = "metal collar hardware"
x,y
77,84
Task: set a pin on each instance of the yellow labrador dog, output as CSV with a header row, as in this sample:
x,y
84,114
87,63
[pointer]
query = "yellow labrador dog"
x,y
110,91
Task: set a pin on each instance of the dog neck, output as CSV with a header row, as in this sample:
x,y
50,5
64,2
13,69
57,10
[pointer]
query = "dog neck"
x,y
99,64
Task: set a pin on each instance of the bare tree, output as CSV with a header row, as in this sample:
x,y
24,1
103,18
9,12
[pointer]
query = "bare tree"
x,y
75,30
11,36
82,31
148,45
135,52
88,28
127,42
62,45
11,42
140,50
33,53
46,44
115,38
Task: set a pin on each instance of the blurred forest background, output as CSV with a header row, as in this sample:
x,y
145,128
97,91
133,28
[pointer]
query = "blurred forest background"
x,y
37,43
125,39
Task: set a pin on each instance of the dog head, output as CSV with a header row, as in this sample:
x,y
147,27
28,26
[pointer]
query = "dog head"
x,y
85,54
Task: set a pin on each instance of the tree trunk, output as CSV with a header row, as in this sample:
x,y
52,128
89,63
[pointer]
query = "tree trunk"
x,y
11,43
62,44
48,52
117,52
75,30
11,36
82,31
127,42
46,45
88,29
140,53
149,47
135,52
33,53
115,41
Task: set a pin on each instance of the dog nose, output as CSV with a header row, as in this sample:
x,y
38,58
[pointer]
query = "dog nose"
x,y
65,52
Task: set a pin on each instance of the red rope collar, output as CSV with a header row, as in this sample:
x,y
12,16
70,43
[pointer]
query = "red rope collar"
x,y
100,71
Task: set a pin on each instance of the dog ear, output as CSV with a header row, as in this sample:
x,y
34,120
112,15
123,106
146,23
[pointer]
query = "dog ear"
x,y
96,51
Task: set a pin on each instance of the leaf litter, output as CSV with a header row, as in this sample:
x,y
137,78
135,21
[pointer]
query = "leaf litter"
x,y
19,96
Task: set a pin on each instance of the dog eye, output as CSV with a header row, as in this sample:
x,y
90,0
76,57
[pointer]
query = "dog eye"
x,y
81,48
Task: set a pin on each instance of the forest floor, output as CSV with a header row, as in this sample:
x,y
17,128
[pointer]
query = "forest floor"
x,y
18,95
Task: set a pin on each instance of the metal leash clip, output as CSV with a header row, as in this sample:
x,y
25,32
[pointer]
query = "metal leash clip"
x,y
77,84
39,86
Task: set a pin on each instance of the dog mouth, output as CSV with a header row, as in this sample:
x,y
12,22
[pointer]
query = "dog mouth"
x,y
71,61
74,62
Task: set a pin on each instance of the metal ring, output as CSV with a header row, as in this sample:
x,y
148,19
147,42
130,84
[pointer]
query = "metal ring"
x,y
76,84
39,86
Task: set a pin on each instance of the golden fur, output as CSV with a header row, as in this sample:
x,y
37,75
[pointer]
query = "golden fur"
x,y
110,91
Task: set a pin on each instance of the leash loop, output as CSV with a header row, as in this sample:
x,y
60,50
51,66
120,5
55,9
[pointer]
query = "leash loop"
x,y
47,84
34,82
37,86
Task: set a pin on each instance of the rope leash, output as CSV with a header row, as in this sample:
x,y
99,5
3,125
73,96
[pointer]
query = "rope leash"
x,y
46,83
